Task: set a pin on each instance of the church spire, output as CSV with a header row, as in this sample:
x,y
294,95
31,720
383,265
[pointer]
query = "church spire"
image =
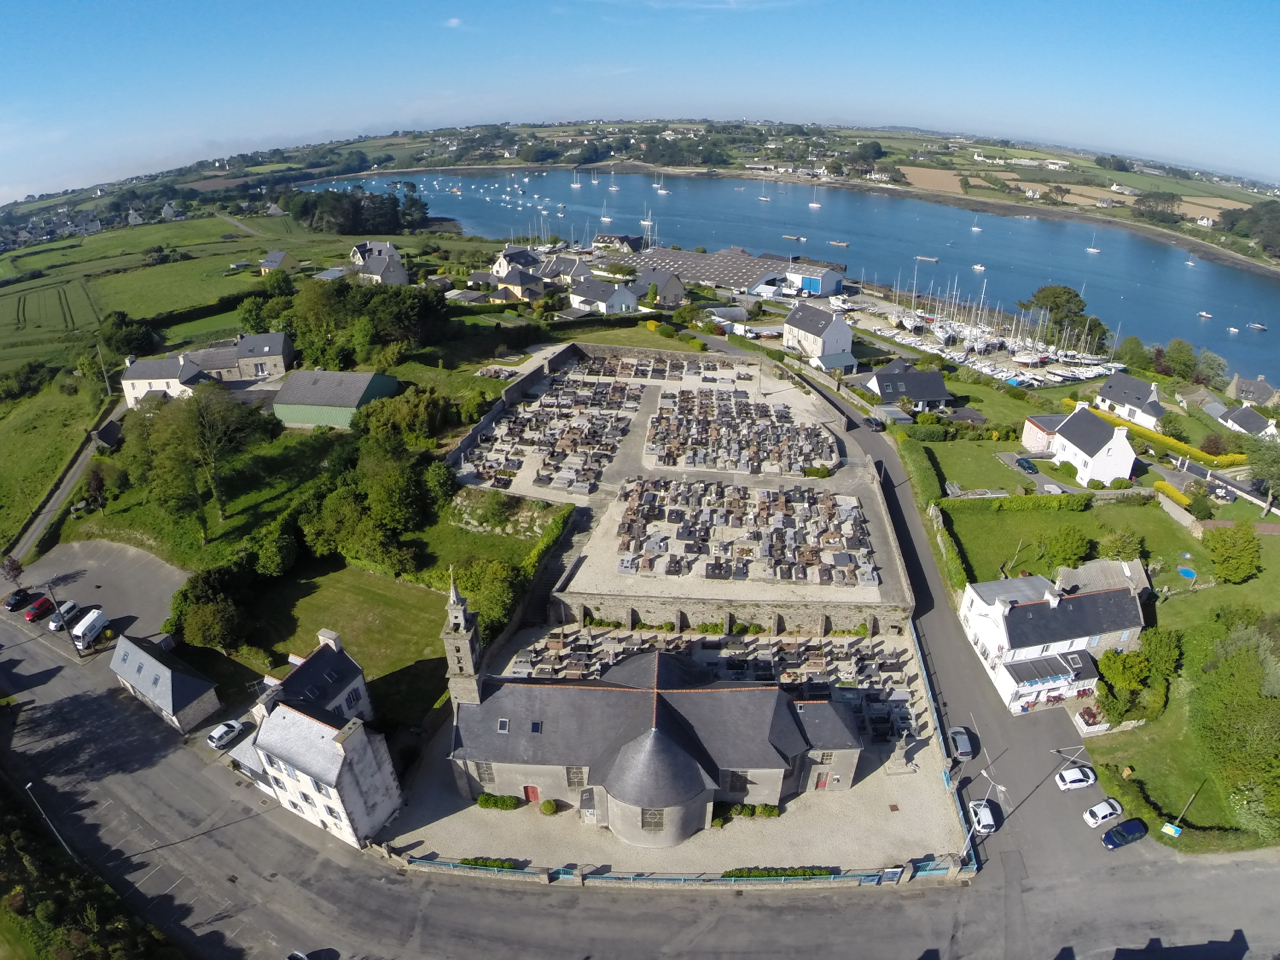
x,y
455,599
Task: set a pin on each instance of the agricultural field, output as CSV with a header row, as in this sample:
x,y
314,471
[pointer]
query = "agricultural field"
x,y
151,290
202,331
46,428
44,321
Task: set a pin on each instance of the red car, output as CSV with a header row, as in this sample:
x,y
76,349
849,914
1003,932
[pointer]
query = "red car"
x,y
41,608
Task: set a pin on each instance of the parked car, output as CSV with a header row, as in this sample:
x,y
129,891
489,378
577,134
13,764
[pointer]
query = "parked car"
x,y
66,614
1100,813
1124,834
983,816
1026,466
224,733
961,745
85,633
1073,778
875,424
41,608
19,598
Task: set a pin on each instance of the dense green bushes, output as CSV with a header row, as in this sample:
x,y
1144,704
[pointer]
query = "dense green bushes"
x,y
922,470
496,863
1070,502
490,801
765,872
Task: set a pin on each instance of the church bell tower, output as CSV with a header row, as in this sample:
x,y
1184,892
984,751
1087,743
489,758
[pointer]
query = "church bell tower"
x,y
461,648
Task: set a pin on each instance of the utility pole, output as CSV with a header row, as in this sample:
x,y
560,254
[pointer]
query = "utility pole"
x,y
74,858
105,378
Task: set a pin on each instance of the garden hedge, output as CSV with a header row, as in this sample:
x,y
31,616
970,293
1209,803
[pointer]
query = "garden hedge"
x,y
924,475
754,872
1168,443
1173,493
1070,502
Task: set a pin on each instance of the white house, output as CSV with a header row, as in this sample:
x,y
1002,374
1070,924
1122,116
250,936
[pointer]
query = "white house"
x,y
600,297
1205,221
361,252
1039,639
385,270
1248,420
812,332
1131,399
515,258
1098,450
899,379
313,751
169,378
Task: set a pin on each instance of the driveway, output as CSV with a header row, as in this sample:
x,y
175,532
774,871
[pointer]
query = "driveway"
x,y
131,585
1039,479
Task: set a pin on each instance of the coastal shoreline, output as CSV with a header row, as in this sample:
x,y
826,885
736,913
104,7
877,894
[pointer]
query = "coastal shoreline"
x,y
1205,251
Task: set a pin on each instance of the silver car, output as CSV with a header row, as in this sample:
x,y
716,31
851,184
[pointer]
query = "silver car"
x,y
961,745
1075,778
224,733
1100,813
65,614
982,814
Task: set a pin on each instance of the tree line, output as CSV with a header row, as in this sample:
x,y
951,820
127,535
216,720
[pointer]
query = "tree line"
x,y
352,212
1260,223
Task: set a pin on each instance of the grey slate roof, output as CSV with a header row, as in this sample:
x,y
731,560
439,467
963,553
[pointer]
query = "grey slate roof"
x,y
657,726
321,677
516,277
333,273
1079,615
273,259
1215,409
594,289
262,345
521,257
1049,422
214,358
158,675
1248,419
1104,575
809,319
829,725
325,388
1017,589
164,370
1122,388
1255,391
302,735
1086,431
733,268
917,384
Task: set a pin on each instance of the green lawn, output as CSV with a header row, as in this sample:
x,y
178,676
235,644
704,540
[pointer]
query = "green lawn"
x,y
150,290
1056,475
973,464
1170,762
452,382
38,435
199,330
13,946
632,337
390,627
988,538
995,406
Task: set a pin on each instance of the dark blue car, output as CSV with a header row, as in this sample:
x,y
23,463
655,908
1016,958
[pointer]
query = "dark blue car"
x,y
1124,834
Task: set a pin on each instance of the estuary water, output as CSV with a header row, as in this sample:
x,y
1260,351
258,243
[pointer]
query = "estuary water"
x,y
1135,284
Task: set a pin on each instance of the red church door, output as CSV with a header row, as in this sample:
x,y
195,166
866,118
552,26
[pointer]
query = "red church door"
x,y
531,794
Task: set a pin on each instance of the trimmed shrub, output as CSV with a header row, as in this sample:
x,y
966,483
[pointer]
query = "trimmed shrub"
x,y
767,810
1068,469
490,801
1200,507
1121,483
1070,502
924,474
1173,493
763,872
501,863
549,808
818,473
1161,444
1096,485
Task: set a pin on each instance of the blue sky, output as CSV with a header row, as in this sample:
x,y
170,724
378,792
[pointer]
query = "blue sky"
x,y
96,91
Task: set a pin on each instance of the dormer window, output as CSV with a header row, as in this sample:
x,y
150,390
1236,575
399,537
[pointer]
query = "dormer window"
x,y
504,725
535,727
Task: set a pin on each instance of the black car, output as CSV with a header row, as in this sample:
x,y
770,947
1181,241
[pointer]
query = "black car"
x,y
1124,834
1026,466
19,598
875,424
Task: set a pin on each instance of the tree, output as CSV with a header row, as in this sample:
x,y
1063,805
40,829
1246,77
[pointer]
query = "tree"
x,y
95,490
835,168
1213,444
869,151
278,283
216,427
1211,369
1264,465
1200,507
1236,553
1133,354
1059,192
1125,672
1171,426
212,624
1065,309
393,496
440,484
1181,358
251,316
1122,544
12,570
171,485
652,294
1163,649
1067,547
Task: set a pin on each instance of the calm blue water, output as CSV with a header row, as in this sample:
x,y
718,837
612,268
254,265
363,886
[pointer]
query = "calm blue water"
x,y
1136,285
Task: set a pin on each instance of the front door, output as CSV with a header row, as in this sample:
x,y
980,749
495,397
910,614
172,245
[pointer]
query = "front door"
x,y
822,781
531,794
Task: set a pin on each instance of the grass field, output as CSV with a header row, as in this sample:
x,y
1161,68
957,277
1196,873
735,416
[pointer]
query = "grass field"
x,y
995,406
451,382
973,464
13,946
1052,472
632,337
391,628
987,539
200,330
45,429
151,290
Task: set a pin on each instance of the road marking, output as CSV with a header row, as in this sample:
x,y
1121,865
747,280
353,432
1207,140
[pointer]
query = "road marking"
x,y
174,884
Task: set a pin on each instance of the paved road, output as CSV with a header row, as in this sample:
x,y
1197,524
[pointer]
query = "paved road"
x,y
50,510
201,854
238,225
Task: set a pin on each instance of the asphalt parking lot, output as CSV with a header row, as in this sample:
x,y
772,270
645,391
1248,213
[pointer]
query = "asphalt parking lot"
x,y
131,585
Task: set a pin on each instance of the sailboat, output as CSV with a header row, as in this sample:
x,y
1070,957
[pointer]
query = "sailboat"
x,y
1092,248
594,178
1205,315
576,184
975,228
604,218
814,204
612,186
661,189
648,219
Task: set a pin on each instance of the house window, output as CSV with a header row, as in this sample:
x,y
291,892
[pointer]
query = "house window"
x,y
320,788
124,657
1094,641
155,681
1044,649
273,763
735,781
827,757
293,774
575,776
280,784
333,814
902,388
306,798
484,771
1073,660
296,808
354,697
259,369
138,672
504,725
338,710
651,819
535,727
1124,637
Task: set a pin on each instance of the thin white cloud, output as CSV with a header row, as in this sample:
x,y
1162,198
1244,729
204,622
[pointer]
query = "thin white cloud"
x,y
453,22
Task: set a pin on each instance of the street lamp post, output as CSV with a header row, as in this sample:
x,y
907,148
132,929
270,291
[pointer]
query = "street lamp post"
x,y
50,823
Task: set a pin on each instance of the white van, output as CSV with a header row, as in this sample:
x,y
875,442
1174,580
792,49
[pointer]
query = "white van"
x,y
86,631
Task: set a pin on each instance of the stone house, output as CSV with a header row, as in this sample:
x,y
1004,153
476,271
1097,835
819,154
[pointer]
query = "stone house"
x,y
1131,399
179,693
